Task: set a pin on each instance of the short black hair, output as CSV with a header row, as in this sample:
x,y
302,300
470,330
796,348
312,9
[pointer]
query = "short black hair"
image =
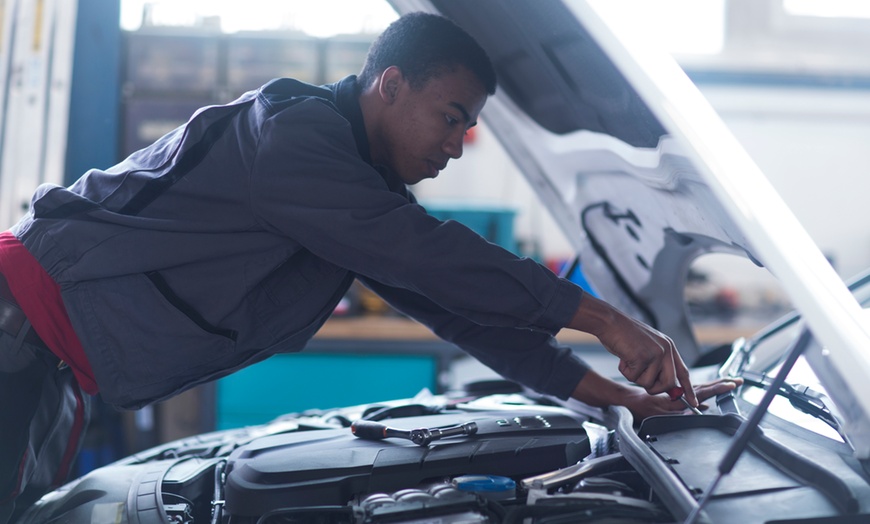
x,y
424,46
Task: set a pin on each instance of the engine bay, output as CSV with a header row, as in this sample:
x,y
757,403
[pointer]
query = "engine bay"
x,y
496,458
541,462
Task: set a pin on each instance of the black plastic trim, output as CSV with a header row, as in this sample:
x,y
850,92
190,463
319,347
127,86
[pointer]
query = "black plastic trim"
x,y
812,474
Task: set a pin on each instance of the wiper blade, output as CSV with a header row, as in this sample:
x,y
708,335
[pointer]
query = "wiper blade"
x,y
801,397
749,426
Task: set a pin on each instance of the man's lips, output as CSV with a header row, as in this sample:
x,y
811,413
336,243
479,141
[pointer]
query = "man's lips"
x,y
434,167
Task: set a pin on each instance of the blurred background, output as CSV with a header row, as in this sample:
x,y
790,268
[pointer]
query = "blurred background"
x,y
84,83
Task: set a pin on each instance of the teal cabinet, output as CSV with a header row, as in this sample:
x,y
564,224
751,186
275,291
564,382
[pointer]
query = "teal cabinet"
x,y
300,381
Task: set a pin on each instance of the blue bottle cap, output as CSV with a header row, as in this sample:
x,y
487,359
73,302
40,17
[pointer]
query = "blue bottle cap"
x,y
484,483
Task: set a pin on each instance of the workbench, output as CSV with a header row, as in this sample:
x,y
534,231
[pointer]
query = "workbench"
x,y
358,360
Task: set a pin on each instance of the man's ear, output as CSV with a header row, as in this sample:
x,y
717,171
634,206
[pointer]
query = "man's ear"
x,y
390,83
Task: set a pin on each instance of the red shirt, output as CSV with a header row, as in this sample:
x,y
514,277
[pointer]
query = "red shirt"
x,y
39,297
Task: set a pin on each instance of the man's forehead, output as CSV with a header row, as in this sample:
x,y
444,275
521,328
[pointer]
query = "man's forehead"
x,y
462,90
457,76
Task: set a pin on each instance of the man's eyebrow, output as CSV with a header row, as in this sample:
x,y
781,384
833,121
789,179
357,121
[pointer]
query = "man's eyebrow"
x,y
459,107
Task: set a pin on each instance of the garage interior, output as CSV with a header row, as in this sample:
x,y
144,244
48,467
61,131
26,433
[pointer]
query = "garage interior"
x,y
84,83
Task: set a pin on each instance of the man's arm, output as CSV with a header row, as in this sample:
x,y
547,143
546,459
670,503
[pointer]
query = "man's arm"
x,y
529,357
646,357
536,360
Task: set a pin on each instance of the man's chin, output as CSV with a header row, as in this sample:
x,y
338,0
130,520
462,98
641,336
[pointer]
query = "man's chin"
x,y
410,180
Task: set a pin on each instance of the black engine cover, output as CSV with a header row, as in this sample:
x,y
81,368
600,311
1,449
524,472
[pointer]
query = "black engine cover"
x,y
330,467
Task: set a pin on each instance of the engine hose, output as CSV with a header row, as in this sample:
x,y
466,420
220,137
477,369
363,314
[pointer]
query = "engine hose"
x,y
217,504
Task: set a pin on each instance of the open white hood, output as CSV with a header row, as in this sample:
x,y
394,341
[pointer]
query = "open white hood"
x,y
643,177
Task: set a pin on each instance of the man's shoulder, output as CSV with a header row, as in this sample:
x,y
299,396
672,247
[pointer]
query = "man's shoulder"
x,y
281,93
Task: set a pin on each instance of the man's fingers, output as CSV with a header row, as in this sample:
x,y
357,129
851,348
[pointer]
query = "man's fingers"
x,y
649,359
649,377
665,377
682,375
717,387
629,372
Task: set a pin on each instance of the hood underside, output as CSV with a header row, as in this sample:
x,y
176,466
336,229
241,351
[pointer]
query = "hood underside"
x,y
643,177
625,192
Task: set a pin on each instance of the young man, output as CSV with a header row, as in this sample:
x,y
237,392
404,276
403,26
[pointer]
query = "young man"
x,y
233,237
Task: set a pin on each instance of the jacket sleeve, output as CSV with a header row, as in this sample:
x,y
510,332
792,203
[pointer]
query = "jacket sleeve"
x,y
309,184
531,358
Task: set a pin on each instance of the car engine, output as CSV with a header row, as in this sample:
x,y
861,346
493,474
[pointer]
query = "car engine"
x,y
510,457
499,458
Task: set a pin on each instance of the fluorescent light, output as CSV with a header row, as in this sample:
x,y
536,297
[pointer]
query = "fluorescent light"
x,y
322,18
828,8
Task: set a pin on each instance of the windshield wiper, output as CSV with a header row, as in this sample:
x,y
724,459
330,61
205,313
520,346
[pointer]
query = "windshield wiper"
x,y
749,427
803,398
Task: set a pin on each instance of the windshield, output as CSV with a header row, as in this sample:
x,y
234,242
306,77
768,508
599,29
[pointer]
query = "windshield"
x,y
803,400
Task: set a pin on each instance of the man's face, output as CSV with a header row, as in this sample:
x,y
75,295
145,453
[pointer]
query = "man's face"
x,y
425,126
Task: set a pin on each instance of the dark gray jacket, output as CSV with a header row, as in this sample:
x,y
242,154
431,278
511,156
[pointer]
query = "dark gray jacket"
x,y
233,237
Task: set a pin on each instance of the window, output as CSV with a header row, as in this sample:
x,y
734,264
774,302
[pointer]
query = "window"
x,y
680,26
828,8
319,18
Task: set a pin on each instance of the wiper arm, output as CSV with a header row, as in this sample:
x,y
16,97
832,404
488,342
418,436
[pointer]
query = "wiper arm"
x,y
749,426
801,397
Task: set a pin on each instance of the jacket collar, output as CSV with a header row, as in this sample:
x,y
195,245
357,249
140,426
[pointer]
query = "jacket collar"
x,y
347,93
347,100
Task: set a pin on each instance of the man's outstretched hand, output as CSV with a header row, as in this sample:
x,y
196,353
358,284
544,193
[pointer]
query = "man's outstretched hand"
x,y
647,357
599,391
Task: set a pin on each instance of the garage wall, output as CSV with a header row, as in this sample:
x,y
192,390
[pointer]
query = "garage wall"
x,y
814,146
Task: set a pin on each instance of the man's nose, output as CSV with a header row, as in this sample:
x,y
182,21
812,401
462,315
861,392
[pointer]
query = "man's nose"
x,y
453,144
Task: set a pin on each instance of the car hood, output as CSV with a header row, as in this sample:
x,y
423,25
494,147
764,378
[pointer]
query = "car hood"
x,y
643,177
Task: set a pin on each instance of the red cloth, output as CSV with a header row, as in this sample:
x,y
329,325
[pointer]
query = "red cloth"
x,y
39,297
